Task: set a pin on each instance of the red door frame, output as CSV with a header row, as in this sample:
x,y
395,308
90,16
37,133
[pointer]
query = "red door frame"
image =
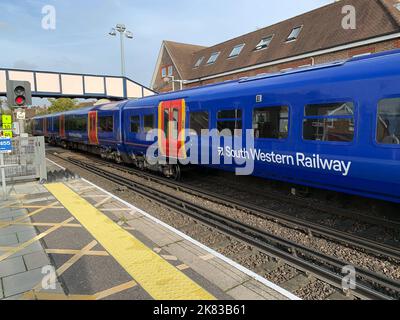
x,y
45,127
62,126
92,128
170,146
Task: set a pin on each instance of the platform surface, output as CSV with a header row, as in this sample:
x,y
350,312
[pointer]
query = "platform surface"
x,y
73,240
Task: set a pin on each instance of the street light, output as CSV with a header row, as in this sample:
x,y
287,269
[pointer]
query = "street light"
x,y
172,79
123,33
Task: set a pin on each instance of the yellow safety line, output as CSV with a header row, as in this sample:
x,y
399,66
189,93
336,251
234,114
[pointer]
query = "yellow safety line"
x,y
34,295
12,251
43,224
74,252
75,258
158,277
7,224
32,207
117,289
47,296
69,263
99,204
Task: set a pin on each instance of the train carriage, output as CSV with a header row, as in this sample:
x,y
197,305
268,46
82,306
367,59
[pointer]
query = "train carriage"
x,y
334,126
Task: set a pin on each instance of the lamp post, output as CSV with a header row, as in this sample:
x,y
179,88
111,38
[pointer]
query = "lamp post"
x,y
123,33
181,82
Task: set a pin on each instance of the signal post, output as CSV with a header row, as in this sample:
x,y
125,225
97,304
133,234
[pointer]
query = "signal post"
x,y
19,96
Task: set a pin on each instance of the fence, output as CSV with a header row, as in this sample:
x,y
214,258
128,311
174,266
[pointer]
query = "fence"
x,y
27,161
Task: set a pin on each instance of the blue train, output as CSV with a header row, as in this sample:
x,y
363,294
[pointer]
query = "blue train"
x,y
334,126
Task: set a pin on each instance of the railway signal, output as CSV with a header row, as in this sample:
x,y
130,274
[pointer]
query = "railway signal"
x,y
19,93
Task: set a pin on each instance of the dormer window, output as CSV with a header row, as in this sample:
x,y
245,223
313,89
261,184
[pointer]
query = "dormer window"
x,y
294,34
264,43
199,62
213,58
236,50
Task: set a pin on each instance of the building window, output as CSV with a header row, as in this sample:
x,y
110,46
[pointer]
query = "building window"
x,y
163,72
135,124
148,122
388,131
329,122
271,122
294,34
236,50
106,124
229,120
199,121
199,62
170,70
213,58
264,43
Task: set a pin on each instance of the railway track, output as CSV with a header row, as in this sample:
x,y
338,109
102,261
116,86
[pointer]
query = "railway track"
x,y
313,229
370,285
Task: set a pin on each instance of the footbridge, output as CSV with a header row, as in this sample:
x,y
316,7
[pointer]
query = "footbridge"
x,y
46,84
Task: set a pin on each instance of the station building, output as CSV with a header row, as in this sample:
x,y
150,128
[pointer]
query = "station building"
x,y
313,38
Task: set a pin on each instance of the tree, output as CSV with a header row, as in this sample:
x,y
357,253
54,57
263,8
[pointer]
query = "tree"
x,y
62,104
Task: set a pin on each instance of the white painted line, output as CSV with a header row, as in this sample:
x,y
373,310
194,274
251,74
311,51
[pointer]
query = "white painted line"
x,y
234,264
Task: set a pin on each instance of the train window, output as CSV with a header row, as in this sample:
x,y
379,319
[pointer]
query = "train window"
x,y
76,123
333,122
135,124
148,122
199,121
38,125
271,122
56,124
331,109
230,120
230,114
106,124
82,124
174,123
49,120
388,131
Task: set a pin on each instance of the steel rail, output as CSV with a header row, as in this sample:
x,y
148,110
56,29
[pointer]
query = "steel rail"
x,y
289,251
311,228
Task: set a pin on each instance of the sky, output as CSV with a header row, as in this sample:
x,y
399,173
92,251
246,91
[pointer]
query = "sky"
x,y
80,42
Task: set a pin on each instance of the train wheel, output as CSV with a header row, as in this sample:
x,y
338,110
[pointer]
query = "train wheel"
x,y
176,173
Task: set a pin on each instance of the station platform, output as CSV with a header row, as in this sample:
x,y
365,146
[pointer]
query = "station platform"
x,y
75,241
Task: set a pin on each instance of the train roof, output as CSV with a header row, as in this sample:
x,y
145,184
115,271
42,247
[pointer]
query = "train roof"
x,y
346,70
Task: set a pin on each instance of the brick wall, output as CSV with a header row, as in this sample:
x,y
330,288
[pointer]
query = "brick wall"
x,y
330,57
160,84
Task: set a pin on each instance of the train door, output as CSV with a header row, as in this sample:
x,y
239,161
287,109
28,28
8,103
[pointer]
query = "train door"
x,y
172,116
62,126
92,128
45,127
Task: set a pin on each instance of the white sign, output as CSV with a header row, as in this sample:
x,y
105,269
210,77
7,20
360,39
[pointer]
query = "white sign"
x,y
21,115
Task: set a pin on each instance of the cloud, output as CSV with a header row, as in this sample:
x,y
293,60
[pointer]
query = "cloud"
x,y
23,64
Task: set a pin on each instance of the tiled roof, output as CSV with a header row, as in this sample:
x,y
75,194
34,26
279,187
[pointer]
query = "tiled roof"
x,y
182,55
321,29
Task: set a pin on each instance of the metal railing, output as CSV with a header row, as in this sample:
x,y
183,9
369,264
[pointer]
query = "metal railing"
x,y
27,161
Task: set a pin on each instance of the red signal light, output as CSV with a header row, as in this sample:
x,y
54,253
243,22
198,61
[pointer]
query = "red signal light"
x,y
19,101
